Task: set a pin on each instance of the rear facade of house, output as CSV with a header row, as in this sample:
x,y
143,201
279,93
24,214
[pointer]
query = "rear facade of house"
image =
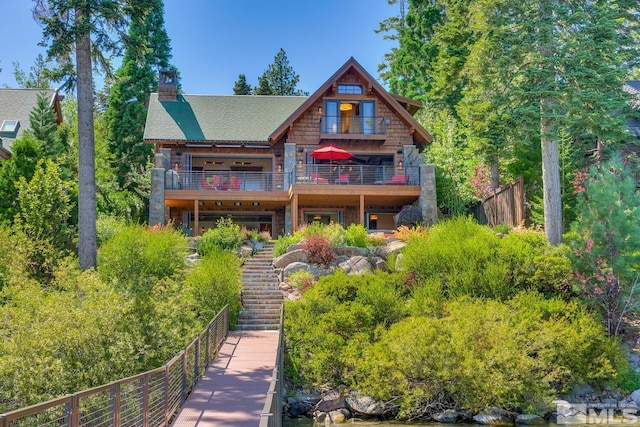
x,y
249,157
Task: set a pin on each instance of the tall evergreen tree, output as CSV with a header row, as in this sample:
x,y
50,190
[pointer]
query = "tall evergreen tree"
x,y
279,78
147,50
242,87
68,26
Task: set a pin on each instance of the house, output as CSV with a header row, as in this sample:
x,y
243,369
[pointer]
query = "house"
x,y
250,157
15,107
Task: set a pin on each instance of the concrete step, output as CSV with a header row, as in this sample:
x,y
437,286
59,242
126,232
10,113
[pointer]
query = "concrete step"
x,y
257,327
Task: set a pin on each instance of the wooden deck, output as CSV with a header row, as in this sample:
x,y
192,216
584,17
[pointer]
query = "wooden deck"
x,y
234,388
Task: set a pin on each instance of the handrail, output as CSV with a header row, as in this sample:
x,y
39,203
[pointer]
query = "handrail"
x,y
272,411
149,399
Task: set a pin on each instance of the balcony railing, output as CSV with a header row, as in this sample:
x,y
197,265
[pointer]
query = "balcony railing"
x,y
302,174
353,125
356,175
225,181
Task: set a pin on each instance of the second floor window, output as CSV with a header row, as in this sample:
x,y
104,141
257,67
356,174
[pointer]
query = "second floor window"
x,y
349,117
346,89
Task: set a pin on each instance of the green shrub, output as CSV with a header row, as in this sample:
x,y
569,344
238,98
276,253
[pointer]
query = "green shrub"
x,y
409,215
284,242
335,235
107,226
226,235
214,283
357,235
515,355
303,280
135,258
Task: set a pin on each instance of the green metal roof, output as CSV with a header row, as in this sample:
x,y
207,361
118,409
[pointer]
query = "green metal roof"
x,y
218,118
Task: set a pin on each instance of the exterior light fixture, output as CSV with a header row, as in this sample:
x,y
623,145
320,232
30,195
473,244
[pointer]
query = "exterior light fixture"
x,y
256,203
237,203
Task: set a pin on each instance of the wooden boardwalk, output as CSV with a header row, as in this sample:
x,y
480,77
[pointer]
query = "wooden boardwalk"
x,y
234,387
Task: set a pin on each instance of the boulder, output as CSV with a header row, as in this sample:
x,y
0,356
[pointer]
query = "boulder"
x,y
294,267
400,263
356,265
351,251
494,417
287,258
299,409
245,250
395,246
379,263
365,405
530,419
294,247
339,416
332,400
635,397
449,416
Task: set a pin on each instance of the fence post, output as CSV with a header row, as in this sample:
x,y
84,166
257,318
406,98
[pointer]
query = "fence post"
x,y
116,403
184,378
74,411
166,394
145,400
196,362
207,347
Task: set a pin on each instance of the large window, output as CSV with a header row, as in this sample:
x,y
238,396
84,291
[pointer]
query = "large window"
x,y
350,89
345,116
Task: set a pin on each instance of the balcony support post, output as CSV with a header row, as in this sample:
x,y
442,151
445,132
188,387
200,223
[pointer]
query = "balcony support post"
x,y
361,216
294,213
196,218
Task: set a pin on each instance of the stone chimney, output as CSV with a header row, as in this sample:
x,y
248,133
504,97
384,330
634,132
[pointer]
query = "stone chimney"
x,y
168,85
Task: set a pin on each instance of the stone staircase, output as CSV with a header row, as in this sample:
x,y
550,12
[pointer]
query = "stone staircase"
x,y
261,297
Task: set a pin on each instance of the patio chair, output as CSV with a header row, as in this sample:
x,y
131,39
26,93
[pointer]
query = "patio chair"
x,y
343,179
235,183
314,177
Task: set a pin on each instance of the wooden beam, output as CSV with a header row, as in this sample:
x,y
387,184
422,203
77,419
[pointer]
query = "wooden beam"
x,y
196,219
362,209
294,213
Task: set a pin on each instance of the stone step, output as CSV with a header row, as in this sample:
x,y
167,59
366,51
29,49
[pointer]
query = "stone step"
x,y
258,320
258,306
260,312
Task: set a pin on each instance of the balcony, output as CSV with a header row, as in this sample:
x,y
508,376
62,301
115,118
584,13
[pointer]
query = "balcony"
x,y
353,127
356,175
225,181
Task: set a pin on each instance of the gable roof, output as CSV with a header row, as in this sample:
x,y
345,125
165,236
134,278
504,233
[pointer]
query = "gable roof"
x,y
217,118
16,104
420,134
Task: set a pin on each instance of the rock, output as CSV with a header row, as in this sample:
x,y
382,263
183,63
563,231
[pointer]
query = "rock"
x,y
245,250
339,416
395,246
320,417
635,397
400,263
192,260
332,400
494,417
299,409
365,405
351,251
356,265
449,416
530,419
294,267
379,264
287,258
377,251
284,286
581,390
340,259
294,247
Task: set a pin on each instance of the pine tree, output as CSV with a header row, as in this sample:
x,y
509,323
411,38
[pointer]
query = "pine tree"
x,y
242,87
68,25
607,252
147,51
279,78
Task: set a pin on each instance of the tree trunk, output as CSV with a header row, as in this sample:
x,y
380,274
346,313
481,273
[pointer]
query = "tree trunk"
x,y
495,173
86,154
551,183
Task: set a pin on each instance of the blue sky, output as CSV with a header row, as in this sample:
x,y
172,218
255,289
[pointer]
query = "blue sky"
x,y
213,41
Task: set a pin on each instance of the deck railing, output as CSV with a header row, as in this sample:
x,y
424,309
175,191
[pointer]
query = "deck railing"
x,y
272,411
224,180
356,175
353,125
150,399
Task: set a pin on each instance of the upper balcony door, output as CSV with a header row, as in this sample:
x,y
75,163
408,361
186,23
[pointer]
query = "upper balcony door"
x,y
349,117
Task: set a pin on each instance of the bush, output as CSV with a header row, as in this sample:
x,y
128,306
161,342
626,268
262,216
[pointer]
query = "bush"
x,y
107,226
214,283
409,215
335,235
301,279
135,258
357,235
515,355
405,233
318,250
226,235
284,242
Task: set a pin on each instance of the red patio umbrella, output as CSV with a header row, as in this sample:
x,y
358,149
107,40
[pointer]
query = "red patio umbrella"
x,y
331,153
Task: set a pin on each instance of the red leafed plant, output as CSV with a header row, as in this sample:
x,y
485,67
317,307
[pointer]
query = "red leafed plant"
x,y
318,250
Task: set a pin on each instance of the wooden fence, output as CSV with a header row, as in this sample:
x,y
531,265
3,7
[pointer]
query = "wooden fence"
x,y
504,206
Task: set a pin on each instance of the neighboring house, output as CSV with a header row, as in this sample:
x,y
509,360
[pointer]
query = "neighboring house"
x,y
15,107
249,157
633,88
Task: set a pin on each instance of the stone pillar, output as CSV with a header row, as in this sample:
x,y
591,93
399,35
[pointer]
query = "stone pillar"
x,y
289,164
156,198
428,202
288,227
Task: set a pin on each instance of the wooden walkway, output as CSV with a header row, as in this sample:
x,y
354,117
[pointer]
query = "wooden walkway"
x,y
234,387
